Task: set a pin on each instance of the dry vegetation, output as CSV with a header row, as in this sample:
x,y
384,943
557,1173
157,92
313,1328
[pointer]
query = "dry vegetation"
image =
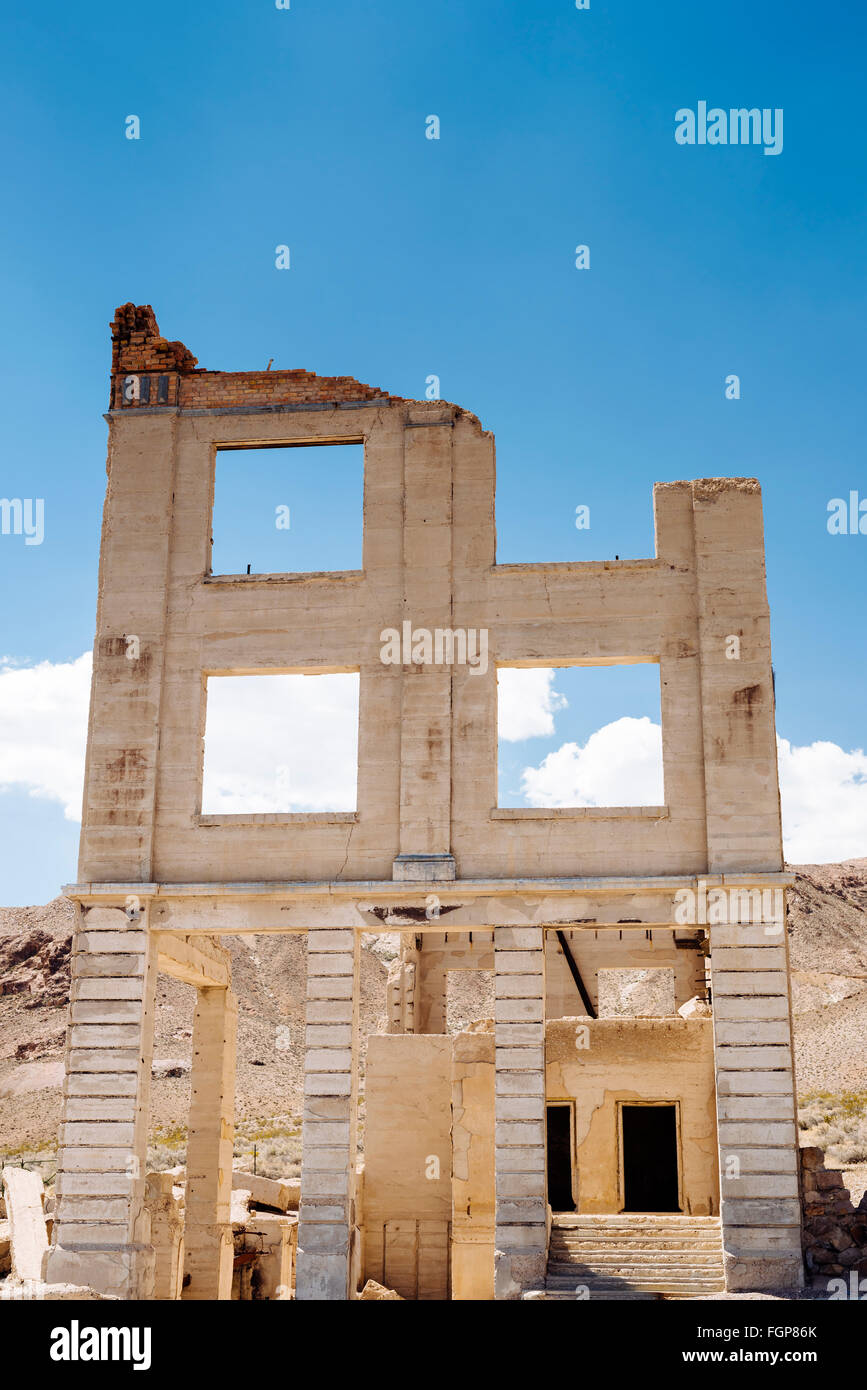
x,y
837,1124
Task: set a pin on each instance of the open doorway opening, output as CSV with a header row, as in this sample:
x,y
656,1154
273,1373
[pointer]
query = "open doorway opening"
x,y
650,1176
559,1135
469,997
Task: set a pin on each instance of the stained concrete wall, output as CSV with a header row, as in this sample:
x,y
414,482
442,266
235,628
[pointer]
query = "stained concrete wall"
x,y
427,737
407,1164
429,1111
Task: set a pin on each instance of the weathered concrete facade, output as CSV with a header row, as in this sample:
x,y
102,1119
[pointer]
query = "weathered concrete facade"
x,y
160,883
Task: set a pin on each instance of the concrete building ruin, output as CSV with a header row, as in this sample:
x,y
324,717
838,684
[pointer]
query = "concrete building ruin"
x,y
628,1117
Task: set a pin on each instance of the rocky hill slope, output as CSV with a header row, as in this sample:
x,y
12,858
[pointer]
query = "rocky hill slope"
x,y
828,945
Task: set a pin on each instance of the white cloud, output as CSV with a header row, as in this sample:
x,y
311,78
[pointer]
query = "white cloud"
x,y
619,765
43,730
823,793
281,743
823,789
527,702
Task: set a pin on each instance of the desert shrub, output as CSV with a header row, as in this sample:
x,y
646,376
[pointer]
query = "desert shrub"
x,y
850,1153
837,1124
277,1142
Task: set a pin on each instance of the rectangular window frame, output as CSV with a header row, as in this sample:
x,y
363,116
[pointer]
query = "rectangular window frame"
x,y
226,577
576,813
214,819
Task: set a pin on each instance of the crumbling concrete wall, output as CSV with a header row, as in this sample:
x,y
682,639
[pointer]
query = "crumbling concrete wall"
x,y
167,1235
265,1248
607,1062
429,551
23,1195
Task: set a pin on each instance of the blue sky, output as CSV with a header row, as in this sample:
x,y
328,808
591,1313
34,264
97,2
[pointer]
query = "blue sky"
x,y
454,257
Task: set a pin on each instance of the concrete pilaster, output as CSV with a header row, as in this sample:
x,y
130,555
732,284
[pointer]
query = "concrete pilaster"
x,y
208,1247
426,709
125,730
327,1211
756,1107
737,690
519,1140
101,1235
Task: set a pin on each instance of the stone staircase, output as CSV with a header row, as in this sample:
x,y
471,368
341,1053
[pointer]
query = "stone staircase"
x,y
634,1257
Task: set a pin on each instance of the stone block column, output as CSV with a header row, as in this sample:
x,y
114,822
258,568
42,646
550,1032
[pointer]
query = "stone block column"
x,y
756,1107
101,1234
208,1246
327,1210
519,1137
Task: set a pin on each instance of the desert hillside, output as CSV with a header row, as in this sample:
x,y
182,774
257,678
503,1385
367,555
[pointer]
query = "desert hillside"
x,y
827,938
828,944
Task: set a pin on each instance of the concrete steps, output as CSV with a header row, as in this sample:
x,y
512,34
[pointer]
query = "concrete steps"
x,y
634,1222
613,1294
615,1247
630,1257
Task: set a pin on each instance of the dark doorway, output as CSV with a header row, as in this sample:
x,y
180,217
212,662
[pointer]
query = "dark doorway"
x,y
560,1158
650,1158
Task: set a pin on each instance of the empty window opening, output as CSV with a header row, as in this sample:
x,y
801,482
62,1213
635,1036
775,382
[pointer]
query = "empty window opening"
x,y
650,1158
579,736
280,744
559,1139
469,997
288,510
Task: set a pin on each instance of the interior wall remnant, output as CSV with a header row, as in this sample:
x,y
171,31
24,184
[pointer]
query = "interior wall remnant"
x,y
408,1164
612,1061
